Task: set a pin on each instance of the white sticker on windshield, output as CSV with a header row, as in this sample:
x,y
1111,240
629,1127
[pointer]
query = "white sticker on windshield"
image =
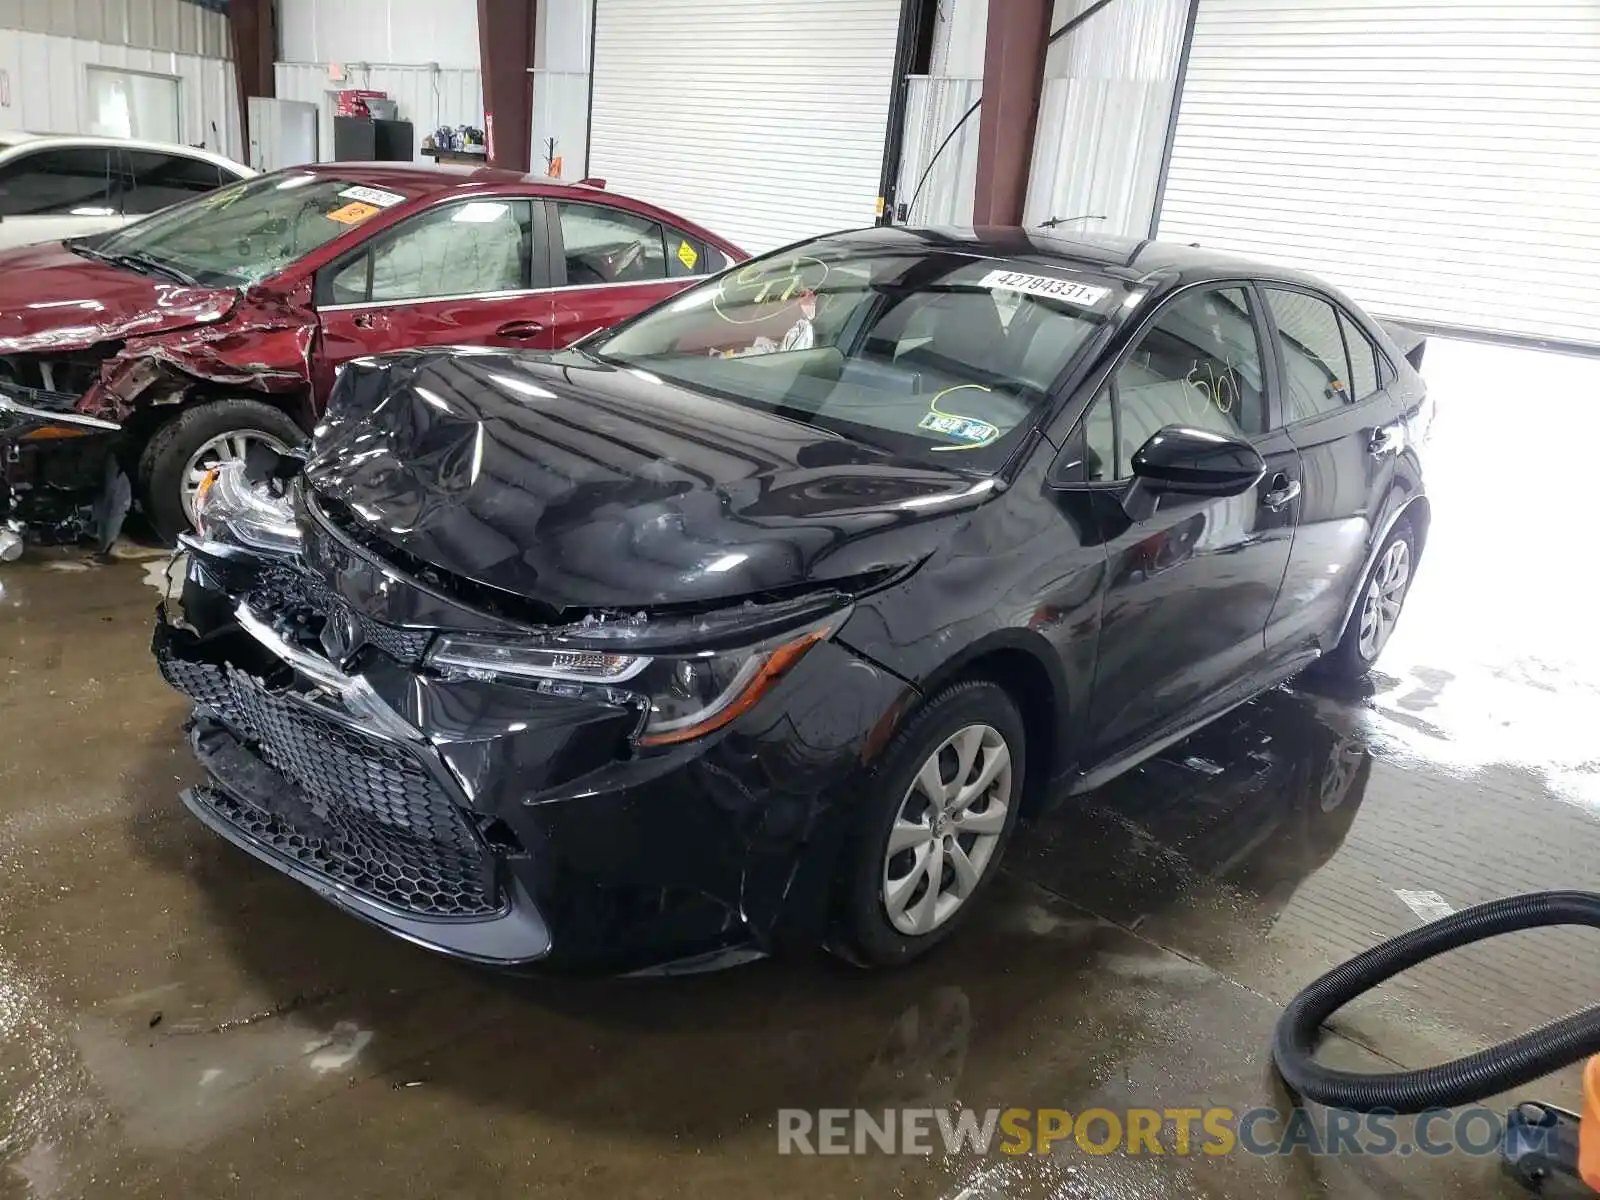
x,y
376,196
1070,290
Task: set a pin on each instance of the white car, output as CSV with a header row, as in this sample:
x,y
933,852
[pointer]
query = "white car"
x,y
60,186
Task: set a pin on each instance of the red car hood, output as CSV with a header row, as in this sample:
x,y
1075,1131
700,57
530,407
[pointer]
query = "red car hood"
x,y
53,299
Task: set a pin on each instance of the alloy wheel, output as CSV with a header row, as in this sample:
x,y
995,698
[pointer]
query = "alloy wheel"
x,y
232,446
1380,607
947,829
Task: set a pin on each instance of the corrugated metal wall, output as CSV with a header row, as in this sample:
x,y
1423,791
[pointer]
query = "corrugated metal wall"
x,y
1440,159
393,31
933,106
44,86
560,122
142,24
1103,115
428,96
764,122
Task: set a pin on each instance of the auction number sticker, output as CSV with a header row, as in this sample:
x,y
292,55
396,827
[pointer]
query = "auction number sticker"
x,y
375,196
1070,290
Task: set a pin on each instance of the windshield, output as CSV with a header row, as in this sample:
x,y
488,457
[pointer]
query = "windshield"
x,y
240,234
933,354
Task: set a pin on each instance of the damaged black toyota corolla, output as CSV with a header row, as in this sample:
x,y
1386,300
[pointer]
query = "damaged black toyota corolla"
x,y
763,617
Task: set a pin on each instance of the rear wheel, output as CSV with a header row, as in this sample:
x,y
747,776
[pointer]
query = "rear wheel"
x,y
1383,594
178,455
942,809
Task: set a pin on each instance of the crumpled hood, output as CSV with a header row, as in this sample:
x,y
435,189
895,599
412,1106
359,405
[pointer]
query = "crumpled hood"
x,y
583,486
53,299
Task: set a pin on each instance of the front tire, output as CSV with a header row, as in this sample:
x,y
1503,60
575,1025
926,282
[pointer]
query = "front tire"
x,y
939,813
196,439
1383,595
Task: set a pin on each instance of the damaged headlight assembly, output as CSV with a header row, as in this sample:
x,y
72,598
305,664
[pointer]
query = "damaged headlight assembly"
x,y
231,509
688,692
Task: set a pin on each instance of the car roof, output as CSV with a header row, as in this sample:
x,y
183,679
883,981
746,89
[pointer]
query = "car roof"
x,y
1132,260
11,138
426,177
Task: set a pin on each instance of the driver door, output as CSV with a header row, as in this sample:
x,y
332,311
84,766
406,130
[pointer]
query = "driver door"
x,y
468,273
1189,589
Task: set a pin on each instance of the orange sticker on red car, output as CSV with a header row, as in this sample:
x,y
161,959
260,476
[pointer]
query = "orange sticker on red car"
x,y
354,213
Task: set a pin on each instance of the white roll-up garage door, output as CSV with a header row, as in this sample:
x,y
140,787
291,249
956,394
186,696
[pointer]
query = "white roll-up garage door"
x,y
764,121
1440,160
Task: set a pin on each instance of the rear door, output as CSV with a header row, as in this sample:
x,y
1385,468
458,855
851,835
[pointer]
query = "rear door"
x,y
1190,588
52,194
466,273
1346,426
609,264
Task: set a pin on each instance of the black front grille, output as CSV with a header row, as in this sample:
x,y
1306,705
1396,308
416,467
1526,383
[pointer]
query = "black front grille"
x,y
306,601
357,809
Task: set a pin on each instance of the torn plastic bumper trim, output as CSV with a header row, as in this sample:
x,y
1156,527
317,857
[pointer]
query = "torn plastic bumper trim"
x,y
20,414
517,936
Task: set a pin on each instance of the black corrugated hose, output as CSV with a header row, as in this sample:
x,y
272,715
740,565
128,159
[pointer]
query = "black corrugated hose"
x,y
1474,1077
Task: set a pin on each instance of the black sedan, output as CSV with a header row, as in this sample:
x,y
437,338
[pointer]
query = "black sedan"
x,y
764,617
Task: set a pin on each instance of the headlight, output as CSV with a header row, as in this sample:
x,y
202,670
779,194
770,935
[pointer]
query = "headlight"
x,y
688,695
228,508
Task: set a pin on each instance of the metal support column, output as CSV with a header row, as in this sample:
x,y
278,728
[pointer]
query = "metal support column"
x,y
505,49
1013,77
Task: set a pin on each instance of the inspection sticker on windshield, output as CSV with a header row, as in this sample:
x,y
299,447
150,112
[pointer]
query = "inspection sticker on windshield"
x,y
963,429
1070,290
353,213
376,196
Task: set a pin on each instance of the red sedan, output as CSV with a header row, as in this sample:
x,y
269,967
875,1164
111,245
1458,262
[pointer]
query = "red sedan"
x,y
131,362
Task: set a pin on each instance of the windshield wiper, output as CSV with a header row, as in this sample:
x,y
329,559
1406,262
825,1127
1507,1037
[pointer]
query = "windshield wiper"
x,y
79,247
144,264
135,261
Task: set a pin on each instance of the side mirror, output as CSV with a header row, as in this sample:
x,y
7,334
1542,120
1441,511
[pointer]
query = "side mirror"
x,y
1191,462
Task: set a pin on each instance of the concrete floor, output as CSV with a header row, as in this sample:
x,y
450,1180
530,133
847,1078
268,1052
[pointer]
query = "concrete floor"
x,y
177,1020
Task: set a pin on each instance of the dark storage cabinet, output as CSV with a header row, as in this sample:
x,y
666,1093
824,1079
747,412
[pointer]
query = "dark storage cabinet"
x,y
368,139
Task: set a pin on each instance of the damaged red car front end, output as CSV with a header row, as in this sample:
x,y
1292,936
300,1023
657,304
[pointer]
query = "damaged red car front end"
x,y
132,362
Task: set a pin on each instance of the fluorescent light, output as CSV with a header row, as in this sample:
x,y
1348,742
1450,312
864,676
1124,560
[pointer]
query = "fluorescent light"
x,y
92,210
726,563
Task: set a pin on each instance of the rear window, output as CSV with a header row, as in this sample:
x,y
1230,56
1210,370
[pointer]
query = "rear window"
x,y
242,233
936,355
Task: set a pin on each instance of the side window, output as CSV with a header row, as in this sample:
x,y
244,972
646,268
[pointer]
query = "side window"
x,y
1100,463
1316,371
715,261
152,180
1199,365
1363,359
686,255
607,245
474,248
58,183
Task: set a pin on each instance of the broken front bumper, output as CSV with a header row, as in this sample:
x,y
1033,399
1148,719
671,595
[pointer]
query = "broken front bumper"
x,y
366,820
492,821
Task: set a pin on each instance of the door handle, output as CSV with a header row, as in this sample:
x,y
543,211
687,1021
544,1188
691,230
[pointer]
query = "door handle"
x,y
1283,491
1385,440
520,330
362,321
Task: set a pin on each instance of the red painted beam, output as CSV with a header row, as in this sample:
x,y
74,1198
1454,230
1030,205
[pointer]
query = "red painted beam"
x,y
1013,74
253,30
505,49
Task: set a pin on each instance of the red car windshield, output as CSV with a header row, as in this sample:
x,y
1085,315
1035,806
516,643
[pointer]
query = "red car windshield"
x,y
239,235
